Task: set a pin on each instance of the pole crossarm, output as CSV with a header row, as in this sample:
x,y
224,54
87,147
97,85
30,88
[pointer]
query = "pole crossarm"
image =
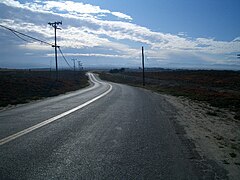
x,y
55,23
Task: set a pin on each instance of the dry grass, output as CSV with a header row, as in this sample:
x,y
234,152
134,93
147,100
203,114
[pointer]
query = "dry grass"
x,y
218,88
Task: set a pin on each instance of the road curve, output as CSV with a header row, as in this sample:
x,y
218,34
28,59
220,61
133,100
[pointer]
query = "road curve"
x,y
52,119
111,131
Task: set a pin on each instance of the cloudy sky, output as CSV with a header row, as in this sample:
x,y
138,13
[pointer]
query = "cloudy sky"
x,y
110,33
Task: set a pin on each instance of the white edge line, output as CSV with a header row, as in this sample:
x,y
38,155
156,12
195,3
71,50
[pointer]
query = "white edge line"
x,y
30,129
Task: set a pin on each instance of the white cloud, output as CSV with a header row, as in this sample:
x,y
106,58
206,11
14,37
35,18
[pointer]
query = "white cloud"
x,y
12,3
237,39
121,15
75,8
35,47
88,31
91,55
71,6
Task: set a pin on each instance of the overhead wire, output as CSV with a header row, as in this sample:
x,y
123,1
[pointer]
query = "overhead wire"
x,y
17,32
64,57
20,37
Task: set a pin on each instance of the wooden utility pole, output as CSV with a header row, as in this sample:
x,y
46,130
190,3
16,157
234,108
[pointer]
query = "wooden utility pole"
x,y
143,70
74,64
74,68
80,67
54,25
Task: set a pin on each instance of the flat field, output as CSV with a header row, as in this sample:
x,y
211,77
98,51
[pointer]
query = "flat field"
x,y
22,86
218,88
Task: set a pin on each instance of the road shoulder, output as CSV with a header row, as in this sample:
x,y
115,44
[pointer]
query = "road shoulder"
x,y
214,133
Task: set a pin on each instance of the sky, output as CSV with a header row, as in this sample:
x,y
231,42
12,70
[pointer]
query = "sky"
x,y
195,34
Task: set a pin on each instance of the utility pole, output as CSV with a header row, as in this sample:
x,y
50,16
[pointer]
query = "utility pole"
x,y
74,68
143,70
55,26
50,65
74,65
80,65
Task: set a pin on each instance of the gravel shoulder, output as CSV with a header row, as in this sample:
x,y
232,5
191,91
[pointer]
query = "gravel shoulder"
x,y
214,132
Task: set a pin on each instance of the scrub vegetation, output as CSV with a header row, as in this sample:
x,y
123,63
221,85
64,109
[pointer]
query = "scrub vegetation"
x,y
22,86
218,88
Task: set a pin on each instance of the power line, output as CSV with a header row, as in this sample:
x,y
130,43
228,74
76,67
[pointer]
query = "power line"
x,y
64,58
20,37
17,32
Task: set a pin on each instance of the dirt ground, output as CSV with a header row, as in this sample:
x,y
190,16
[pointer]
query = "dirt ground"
x,y
214,131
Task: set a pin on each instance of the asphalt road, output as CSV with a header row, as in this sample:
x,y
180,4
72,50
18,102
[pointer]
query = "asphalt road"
x,y
114,132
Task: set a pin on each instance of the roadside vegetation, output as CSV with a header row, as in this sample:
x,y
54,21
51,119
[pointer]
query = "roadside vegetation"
x,y
218,88
22,86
